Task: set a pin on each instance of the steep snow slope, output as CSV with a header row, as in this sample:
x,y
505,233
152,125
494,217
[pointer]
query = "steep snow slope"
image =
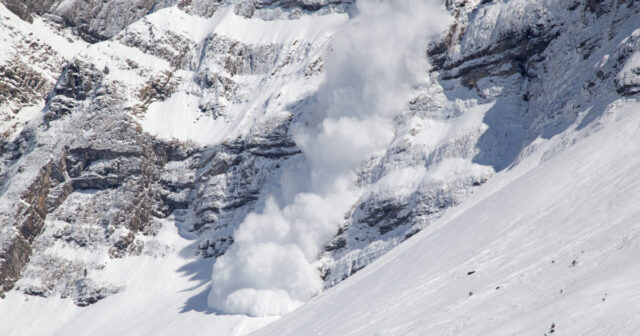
x,y
188,118
550,245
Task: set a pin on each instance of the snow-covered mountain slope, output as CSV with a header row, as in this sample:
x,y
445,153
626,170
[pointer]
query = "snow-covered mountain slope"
x,y
66,158
31,57
163,297
145,141
549,245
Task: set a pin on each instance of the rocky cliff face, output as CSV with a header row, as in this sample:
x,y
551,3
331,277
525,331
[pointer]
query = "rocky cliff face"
x,y
165,120
92,20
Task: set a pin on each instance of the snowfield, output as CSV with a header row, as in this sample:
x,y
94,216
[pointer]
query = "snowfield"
x,y
551,242
320,167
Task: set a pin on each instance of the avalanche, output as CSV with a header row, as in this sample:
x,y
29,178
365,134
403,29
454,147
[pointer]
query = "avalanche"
x,y
319,167
269,270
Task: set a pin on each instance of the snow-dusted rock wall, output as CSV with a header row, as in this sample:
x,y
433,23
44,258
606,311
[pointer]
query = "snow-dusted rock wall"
x,y
184,113
91,178
92,20
507,75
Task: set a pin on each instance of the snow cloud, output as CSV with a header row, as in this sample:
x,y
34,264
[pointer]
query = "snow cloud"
x,y
376,61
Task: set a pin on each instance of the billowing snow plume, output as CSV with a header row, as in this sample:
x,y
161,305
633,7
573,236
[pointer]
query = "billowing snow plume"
x,y
376,60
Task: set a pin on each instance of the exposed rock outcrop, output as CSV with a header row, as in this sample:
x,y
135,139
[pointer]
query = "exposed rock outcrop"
x,y
90,174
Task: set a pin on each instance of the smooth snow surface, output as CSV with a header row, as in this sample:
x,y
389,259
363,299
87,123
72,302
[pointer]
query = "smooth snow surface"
x,y
370,73
553,241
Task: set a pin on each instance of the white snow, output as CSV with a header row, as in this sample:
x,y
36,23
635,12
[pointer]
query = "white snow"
x,y
433,132
174,20
178,117
370,75
630,73
188,123
25,115
61,44
163,296
501,18
39,47
257,31
400,182
521,235
449,169
572,198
